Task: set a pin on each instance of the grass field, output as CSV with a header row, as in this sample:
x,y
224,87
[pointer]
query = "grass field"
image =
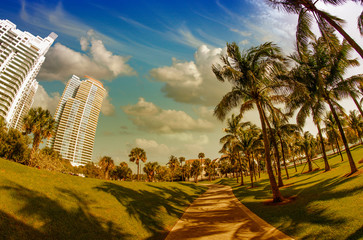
x,y
37,204
328,205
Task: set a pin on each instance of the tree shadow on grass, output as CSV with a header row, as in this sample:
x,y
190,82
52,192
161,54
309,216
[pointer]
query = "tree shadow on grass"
x,y
148,206
54,220
303,211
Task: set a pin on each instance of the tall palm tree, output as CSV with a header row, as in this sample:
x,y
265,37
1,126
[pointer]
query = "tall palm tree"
x,y
40,123
173,165
308,11
252,76
106,163
326,68
306,95
334,87
136,155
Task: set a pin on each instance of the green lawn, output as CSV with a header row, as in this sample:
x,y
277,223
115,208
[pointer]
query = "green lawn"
x,y
37,204
328,204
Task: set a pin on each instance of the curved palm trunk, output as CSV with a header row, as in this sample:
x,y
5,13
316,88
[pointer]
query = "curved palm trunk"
x,y
277,197
277,156
336,26
283,156
338,147
353,167
251,172
327,167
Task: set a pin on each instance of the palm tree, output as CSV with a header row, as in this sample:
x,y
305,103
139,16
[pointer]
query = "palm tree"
x,y
306,144
136,155
283,129
248,139
331,130
251,74
150,169
356,123
106,163
308,11
173,165
208,168
186,171
181,160
324,70
40,123
306,95
196,170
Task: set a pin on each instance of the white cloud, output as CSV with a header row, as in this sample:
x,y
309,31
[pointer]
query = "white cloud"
x,y
52,19
149,117
242,33
107,108
244,42
43,100
151,145
62,62
193,82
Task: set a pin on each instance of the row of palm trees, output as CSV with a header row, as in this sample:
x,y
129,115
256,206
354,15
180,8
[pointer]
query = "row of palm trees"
x,y
261,77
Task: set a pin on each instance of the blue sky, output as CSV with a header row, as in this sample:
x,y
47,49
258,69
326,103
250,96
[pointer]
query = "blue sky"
x,y
154,58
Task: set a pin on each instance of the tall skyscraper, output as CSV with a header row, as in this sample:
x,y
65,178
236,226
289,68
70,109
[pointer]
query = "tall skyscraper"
x,y
77,116
21,56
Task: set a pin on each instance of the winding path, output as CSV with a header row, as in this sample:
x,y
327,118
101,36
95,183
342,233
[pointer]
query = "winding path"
x,y
217,214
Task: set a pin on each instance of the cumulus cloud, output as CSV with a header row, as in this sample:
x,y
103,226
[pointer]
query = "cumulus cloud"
x,y
62,62
107,108
149,117
43,100
193,82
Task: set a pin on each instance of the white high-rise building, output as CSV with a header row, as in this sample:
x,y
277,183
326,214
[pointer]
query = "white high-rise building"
x,y
77,116
21,56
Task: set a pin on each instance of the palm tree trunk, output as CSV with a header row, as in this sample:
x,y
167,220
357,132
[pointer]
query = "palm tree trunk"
x,y
309,161
250,167
293,159
138,178
338,147
277,155
327,167
353,167
283,156
277,197
336,26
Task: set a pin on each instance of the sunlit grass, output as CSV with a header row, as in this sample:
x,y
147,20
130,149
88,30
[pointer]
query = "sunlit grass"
x,y
328,205
37,204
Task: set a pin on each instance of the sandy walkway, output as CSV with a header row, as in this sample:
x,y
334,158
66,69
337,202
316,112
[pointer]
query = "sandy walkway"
x,y
217,214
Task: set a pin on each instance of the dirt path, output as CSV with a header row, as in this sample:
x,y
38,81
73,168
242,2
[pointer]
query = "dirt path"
x,y
217,214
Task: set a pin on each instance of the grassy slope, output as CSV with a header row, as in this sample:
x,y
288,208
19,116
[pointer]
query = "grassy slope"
x,y
37,204
328,205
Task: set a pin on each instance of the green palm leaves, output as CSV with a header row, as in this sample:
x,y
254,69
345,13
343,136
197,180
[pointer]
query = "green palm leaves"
x,y
252,74
40,123
136,155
